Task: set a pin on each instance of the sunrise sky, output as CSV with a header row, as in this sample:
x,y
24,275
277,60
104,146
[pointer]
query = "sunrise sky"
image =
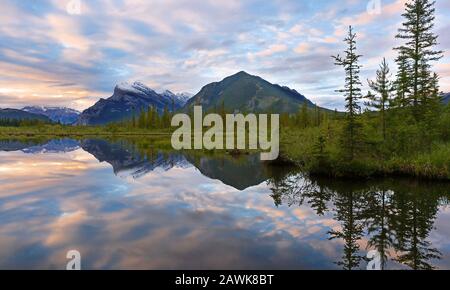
x,y
51,57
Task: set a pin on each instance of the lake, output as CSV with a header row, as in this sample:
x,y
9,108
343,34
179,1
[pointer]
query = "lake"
x,y
128,204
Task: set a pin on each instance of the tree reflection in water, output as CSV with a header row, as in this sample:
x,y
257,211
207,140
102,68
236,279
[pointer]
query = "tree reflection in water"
x,y
393,216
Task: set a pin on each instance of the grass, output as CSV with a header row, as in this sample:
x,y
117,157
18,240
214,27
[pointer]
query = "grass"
x,y
73,131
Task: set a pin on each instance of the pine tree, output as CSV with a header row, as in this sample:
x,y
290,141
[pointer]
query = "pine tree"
x,y
165,118
402,82
149,124
431,111
133,119
418,50
303,115
318,115
383,87
351,91
141,120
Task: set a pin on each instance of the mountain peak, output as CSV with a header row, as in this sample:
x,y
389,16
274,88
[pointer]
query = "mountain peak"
x,y
241,74
243,92
167,93
135,87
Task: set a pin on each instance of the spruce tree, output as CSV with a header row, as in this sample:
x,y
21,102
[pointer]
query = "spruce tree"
x,y
303,115
149,117
133,119
418,51
383,87
402,82
352,92
141,120
165,118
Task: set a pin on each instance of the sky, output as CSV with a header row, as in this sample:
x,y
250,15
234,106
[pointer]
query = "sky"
x,y
54,54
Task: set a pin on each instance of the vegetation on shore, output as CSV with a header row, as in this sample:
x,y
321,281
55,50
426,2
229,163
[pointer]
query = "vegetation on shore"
x,y
404,131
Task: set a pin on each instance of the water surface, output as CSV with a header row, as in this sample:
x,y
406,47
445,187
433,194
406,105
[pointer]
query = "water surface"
x,y
128,205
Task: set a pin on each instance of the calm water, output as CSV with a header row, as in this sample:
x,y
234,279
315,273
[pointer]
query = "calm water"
x,y
125,205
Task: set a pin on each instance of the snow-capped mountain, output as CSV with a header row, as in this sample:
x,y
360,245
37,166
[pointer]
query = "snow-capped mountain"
x,y
56,114
128,98
181,98
185,97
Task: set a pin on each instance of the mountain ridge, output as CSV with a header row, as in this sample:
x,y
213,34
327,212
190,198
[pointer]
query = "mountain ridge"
x,y
61,115
16,114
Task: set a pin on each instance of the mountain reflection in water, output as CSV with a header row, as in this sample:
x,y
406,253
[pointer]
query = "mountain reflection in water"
x,y
185,210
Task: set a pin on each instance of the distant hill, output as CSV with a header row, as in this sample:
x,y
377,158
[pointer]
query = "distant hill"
x,y
56,114
247,93
446,98
14,114
128,98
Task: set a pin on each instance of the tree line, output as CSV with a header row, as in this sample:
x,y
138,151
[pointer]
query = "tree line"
x,y
11,122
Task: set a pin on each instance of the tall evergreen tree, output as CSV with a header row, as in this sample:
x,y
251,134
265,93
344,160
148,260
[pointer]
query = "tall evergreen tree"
x,y
402,82
351,91
133,118
318,115
165,118
418,51
303,115
383,87
149,123
141,119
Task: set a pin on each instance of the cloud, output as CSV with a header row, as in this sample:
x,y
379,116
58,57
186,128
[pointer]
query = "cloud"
x,y
271,50
302,48
47,55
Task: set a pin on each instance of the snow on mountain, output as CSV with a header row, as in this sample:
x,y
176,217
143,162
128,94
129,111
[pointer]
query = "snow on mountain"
x,y
127,99
136,88
181,98
56,114
184,97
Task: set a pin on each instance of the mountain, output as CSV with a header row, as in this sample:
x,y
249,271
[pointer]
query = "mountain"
x,y
15,114
127,98
240,175
126,162
54,146
184,97
446,98
56,114
244,92
181,98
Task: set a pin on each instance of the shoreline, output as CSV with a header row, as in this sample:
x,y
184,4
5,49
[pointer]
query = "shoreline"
x,y
306,162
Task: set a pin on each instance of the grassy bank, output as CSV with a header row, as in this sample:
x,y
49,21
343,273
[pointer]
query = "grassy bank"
x,y
80,131
318,150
